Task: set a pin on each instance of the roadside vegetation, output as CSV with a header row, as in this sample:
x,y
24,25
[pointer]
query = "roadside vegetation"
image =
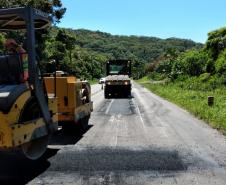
x,y
93,81
188,78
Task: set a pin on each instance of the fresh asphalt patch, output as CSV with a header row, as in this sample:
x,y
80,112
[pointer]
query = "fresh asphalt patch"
x,y
114,159
123,107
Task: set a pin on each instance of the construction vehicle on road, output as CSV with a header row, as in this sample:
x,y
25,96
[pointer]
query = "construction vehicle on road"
x,y
117,82
74,99
27,115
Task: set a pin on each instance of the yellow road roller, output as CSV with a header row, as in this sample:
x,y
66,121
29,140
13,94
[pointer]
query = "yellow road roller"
x,y
74,99
27,116
118,82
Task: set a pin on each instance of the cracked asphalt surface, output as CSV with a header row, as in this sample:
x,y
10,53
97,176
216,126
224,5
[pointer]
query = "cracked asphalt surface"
x,y
141,140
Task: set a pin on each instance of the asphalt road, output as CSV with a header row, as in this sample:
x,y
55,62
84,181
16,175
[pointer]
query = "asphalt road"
x,y
141,140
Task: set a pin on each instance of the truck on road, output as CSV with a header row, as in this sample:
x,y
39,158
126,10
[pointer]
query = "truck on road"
x,y
117,81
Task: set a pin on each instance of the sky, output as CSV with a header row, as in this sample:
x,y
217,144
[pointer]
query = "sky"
x,y
187,19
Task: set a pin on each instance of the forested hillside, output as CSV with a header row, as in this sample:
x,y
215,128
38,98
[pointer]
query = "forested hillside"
x,y
206,64
84,53
141,50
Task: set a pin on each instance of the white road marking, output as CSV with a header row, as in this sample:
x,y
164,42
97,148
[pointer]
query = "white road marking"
x,y
162,130
138,112
115,121
116,133
112,118
142,121
109,106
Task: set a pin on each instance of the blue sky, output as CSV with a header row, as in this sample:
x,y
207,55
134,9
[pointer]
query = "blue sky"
x,y
190,19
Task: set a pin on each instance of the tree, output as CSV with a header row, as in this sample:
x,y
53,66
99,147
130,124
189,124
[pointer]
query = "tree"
x,y
52,7
67,40
191,63
216,42
220,64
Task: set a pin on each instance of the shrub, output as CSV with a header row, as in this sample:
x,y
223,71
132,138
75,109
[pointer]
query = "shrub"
x,y
156,76
220,64
164,67
191,63
204,77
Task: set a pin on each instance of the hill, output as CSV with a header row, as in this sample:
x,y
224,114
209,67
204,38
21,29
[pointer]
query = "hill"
x,y
140,49
84,53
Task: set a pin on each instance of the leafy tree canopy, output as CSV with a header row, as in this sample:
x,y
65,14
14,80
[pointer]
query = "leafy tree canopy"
x,y
53,7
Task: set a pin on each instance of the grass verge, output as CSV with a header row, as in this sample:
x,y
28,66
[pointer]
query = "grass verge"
x,y
195,101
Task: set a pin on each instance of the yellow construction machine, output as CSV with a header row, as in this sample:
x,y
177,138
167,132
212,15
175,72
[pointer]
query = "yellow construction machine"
x,y
74,99
27,115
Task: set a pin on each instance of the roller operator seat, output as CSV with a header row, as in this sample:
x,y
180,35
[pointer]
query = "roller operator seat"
x,y
11,81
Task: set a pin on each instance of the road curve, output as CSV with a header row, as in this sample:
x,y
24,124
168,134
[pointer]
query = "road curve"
x,y
141,140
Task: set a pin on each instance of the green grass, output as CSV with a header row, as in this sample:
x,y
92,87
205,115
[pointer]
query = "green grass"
x,y
143,80
195,101
94,81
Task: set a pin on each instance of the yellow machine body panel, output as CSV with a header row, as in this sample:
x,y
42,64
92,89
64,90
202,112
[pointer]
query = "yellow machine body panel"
x,y
13,133
69,93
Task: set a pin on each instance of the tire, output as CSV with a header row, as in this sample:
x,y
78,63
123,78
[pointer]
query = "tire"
x,y
84,122
31,111
85,95
128,95
33,149
70,127
106,95
80,126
